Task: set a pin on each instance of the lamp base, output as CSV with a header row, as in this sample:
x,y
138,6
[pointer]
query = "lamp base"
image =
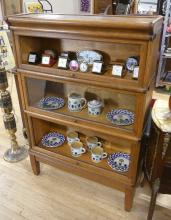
x,y
15,156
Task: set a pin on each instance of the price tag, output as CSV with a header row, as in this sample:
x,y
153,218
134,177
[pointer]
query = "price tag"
x,y
117,70
32,58
46,60
136,72
62,62
97,67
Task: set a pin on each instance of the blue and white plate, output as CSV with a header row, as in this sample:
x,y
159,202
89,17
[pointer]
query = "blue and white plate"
x,y
53,139
119,161
120,117
51,103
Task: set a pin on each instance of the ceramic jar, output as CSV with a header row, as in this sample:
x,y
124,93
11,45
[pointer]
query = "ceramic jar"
x,y
76,103
95,107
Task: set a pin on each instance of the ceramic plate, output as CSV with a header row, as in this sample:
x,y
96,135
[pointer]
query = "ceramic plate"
x,y
53,139
51,103
119,161
88,56
121,117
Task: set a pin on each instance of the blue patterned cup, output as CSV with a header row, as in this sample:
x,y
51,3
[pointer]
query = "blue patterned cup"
x,y
97,154
72,136
77,149
76,103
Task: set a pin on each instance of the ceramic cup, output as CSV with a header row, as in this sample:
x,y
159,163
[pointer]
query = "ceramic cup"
x,y
77,149
72,136
97,154
76,103
95,107
93,142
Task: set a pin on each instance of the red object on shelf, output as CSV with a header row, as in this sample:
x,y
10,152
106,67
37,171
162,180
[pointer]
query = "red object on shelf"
x,y
169,29
47,60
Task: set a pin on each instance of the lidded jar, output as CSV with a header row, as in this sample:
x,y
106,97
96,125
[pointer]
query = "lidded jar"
x,y
95,107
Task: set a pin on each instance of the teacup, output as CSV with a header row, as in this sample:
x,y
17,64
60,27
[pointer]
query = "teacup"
x,y
76,103
72,136
93,142
97,154
77,149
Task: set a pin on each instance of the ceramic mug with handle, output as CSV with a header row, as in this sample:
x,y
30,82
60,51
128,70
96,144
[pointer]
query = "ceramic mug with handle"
x,y
98,154
76,103
72,136
77,149
93,142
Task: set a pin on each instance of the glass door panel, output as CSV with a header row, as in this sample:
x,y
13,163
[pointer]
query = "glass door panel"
x,y
96,104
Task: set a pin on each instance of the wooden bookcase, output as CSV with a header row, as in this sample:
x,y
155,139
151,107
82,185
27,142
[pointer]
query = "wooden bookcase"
x,y
118,37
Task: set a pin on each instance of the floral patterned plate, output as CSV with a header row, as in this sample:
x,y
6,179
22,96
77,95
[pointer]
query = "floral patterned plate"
x,y
119,161
53,139
51,103
120,117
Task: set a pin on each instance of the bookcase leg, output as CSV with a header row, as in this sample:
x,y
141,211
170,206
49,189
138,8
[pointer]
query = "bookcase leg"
x,y
35,165
129,196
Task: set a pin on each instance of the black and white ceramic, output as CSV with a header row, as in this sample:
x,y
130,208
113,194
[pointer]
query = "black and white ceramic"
x,y
93,142
53,139
77,149
95,107
120,117
51,103
119,161
98,154
72,136
76,103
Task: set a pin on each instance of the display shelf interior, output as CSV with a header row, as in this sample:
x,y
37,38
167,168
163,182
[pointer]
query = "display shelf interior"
x,y
109,97
64,150
112,52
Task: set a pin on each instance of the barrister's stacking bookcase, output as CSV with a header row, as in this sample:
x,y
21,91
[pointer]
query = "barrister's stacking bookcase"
x,y
117,38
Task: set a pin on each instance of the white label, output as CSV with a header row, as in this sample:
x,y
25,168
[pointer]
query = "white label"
x,y
135,72
62,62
45,60
32,58
97,67
117,70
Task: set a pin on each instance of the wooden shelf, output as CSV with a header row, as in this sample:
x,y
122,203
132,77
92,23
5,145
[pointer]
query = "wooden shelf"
x,y
105,80
64,150
83,115
117,131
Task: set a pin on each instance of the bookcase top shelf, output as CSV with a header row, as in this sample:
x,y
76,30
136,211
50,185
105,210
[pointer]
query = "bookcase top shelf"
x,y
145,27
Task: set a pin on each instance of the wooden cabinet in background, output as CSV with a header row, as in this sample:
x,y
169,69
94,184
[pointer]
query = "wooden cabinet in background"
x,y
117,38
99,6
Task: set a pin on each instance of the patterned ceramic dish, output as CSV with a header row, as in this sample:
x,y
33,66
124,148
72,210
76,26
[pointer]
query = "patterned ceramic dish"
x,y
51,103
119,161
53,139
120,117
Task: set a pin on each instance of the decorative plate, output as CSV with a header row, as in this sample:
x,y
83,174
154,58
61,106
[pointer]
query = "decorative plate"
x,y
120,117
131,63
119,161
53,139
88,56
51,103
